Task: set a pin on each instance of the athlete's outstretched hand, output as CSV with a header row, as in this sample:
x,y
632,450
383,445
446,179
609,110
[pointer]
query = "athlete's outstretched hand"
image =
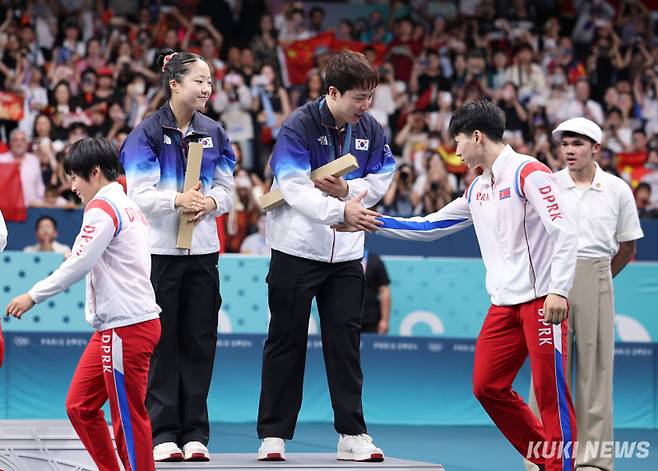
x,y
555,308
358,218
20,305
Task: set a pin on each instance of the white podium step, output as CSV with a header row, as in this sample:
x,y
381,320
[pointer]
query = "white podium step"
x,y
297,461
52,445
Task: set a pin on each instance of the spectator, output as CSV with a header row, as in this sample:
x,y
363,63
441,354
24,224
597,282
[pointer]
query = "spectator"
x,y
645,88
497,74
43,150
582,105
403,50
264,44
64,108
525,74
427,76
94,58
346,31
617,135
377,302
272,106
400,199
437,186
233,103
29,81
628,111
243,215
256,243
33,187
414,132
46,235
516,116
295,27
607,162
651,177
52,199
315,19
313,88
642,195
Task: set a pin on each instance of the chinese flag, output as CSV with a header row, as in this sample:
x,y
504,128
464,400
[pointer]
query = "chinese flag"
x,y
299,56
11,198
380,49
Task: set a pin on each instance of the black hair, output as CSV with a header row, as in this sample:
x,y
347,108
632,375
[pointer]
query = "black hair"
x,y
78,125
316,10
176,66
641,186
89,153
615,109
480,115
349,70
45,218
50,119
524,46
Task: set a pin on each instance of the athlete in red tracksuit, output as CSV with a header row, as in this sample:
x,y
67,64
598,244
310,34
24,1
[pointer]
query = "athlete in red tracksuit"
x,y
112,250
529,249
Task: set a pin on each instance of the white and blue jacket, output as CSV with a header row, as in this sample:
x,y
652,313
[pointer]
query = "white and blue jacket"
x,y
308,140
527,241
154,157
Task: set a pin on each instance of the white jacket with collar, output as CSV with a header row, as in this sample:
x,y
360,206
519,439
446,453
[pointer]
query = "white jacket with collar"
x,y
527,242
112,250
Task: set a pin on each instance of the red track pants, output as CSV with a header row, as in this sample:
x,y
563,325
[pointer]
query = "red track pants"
x,y
115,366
508,335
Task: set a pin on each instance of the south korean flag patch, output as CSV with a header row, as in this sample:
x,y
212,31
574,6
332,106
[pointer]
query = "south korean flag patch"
x,y
361,144
206,142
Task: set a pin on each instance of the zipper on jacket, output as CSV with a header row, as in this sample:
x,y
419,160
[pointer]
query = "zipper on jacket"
x,y
333,245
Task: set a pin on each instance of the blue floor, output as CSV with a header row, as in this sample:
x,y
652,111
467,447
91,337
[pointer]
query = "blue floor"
x,y
457,448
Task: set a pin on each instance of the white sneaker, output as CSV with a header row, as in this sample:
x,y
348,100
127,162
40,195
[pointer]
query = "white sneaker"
x,y
358,448
167,451
195,451
272,449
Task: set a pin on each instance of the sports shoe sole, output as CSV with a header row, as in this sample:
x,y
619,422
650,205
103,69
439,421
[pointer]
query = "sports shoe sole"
x,y
372,457
197,457
272,457
170,458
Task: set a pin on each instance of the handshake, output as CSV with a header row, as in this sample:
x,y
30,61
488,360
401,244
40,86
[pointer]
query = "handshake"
x,y
357,218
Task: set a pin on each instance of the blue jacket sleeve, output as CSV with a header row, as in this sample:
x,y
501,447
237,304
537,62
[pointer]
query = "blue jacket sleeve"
x,y
140,161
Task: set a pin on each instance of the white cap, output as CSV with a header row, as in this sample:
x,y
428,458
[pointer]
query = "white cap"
x,y
581,126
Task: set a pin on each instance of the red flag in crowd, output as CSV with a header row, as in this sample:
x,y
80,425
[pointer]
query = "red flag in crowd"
x,y
298,55
11,106
11,196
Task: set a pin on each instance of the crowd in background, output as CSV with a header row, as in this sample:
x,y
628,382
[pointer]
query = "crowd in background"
x,y
84,68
